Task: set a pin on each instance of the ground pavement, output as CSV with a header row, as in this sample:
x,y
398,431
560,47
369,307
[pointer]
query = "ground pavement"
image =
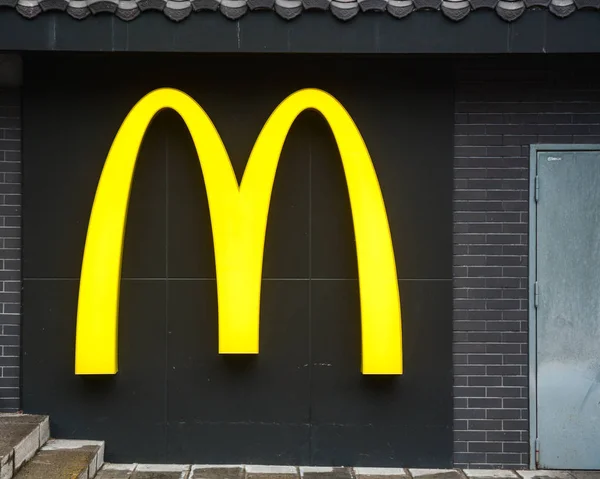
x,y
143,471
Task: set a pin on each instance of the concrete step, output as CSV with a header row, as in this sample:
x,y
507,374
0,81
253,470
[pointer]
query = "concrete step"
x,y
65,459
21,435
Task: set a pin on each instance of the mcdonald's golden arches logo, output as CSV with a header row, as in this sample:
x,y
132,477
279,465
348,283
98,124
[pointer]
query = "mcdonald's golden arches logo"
x,y
239,217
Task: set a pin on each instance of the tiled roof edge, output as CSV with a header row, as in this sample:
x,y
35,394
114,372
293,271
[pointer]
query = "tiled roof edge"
x,y
178,10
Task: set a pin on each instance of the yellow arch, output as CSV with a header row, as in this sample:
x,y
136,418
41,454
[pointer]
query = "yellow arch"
x,y
239,219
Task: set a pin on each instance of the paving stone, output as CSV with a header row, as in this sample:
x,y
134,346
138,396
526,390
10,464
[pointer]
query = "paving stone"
x,y
116,471
325,473
490,474
271,472
159,475
586,474
543,474
435,474
64,459
217,472
161,471
380,473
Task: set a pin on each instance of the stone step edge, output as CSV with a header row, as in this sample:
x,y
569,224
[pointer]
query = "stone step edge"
x,y
26,449
96,462
215,471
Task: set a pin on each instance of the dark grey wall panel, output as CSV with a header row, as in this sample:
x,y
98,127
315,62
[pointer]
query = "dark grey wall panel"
x,y
481,32
302,400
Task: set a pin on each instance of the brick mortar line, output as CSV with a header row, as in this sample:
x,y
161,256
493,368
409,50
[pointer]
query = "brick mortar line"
x,y
10,233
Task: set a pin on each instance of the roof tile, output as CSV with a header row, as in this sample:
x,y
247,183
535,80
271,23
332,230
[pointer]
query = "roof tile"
x,y
178,10
456,9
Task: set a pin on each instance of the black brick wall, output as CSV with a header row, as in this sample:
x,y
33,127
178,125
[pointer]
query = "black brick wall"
x,y
10,247
500,110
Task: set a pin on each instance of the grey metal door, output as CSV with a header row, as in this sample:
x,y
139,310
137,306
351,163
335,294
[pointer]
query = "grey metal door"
x,y
568,309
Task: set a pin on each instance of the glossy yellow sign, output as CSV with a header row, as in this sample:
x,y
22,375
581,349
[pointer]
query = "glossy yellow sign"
x,y
239,218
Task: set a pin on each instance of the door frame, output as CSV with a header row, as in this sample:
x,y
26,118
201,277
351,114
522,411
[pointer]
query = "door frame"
x,y
534,149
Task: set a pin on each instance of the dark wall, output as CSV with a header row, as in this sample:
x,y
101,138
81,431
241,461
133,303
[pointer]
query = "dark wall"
x,y
302,400
534,30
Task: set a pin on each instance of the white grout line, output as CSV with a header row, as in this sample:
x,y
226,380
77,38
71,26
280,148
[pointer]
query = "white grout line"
x,y
489,474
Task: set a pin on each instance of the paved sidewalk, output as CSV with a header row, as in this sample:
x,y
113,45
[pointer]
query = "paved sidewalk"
x,y
174,471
